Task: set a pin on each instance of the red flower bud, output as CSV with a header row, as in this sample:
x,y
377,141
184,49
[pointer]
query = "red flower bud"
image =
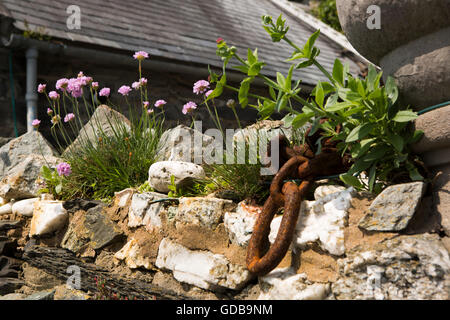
x,y
219,40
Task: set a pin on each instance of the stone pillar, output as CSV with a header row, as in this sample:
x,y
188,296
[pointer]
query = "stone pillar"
x,y
434,149
412,44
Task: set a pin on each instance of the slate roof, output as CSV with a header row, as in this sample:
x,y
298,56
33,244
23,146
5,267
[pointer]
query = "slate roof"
x,y
179,30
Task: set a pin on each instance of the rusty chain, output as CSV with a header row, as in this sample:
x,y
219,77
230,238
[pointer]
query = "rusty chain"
x,y
299,162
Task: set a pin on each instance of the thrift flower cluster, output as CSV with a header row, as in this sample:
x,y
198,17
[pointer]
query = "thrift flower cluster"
x,y
64,169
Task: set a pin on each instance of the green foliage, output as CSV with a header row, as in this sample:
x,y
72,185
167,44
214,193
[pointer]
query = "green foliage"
x,y
39,33
326,11
374,129
116,162
145,187
53,182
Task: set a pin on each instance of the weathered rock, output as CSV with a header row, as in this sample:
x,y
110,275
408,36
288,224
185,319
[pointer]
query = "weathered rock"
x,y
122,198
42,295
185,173
9,224
74,205
200,268
48,216
266,129
6,209
183,144
133,257
13,296
64,292
239,224
407,267
5,140
9,267
9,285
24,207
38,280
101,124
321,221
393,208
91,230
286,284
16,150
323,191
7,246
19,181
205,212
144,213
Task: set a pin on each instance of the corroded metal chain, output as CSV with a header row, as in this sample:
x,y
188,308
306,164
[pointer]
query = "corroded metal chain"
x,y
298,162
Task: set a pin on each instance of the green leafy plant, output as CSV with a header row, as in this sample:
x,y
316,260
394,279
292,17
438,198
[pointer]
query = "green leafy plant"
x,y
374,128
53,182
118,152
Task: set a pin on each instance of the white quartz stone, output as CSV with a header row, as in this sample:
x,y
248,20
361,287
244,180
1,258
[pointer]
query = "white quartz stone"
x,y
24,207
48,216
285,284
203,269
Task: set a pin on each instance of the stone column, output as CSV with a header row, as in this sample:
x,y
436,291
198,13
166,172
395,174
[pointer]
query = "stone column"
x,y
434,149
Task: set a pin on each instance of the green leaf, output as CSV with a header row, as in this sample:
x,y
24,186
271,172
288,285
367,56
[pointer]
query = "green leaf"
x,y
58,188
351,181
267,109
358,167
307,49
396,141
371,77
287,120
376,153
301,119
391,89
416,136
338,106
365,145
360,132
414,174
281,103
338,72
288,84
273,95
251,57
281,80
319,95
405,116
304,64
243,91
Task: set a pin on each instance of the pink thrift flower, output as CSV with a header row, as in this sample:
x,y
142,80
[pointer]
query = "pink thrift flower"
x,y
69,117
160,103
105,92
49,111
80,74
189,107
140,55
94,85
201,86
86,80
62,84
150,111
143,81
41,88
136,85
124,90
146,104
53,95
75,87
36,123
64,169
208,93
